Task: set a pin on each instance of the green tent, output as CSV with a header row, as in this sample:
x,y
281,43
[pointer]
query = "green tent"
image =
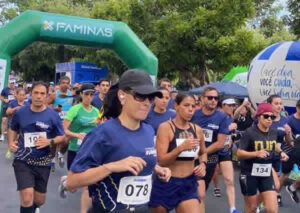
x,y
238,75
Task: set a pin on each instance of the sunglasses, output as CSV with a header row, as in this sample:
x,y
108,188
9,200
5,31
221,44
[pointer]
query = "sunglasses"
x,y
89,94
212,97
266,116
141,98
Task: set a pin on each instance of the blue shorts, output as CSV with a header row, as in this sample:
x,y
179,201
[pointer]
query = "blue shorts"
x,y
169,195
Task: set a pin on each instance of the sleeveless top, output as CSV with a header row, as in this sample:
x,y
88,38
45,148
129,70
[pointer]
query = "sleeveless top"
x,y
65,102
179,136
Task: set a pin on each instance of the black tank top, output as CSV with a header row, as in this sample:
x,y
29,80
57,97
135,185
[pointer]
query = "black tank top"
x,y
181,134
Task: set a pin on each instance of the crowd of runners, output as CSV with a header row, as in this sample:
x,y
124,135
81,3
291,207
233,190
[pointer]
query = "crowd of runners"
x,y
130,146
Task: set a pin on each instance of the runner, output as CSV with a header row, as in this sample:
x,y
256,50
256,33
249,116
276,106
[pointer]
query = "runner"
x,y
7,94
215,131
117,158
159,112
104,85
225,155
284,137
179,143
256,151
166,83
34,129
61,101
79,120
294,154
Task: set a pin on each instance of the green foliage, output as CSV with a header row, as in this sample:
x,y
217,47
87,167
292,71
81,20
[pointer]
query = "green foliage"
x,y
294,17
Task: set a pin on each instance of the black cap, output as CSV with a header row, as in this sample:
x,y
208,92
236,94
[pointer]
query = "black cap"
x,y
139,81
87,87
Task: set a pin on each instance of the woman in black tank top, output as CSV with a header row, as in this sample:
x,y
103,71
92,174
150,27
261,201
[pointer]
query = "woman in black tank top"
x,y
178,144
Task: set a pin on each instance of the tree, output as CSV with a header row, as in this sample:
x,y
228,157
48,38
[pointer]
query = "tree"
x,y
294,16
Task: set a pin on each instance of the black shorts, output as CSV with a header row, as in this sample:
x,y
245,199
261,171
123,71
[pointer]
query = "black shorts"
x,y
28,176
276,164
99,209
70,158
4,115
227,157
250,184
212,161
294,158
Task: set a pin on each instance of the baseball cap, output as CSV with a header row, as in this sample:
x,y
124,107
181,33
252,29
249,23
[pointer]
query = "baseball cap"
x,y
87,87
11,81
229,101
139,81
263,108
29,85
51,83
298,103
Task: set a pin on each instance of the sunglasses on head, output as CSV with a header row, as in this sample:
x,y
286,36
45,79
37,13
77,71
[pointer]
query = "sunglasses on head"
x,y
141,98
212,97
266,116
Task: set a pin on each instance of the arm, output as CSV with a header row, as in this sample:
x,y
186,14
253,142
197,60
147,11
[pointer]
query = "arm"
x,y
242,154
11,111
12,140
219,144
66,125
237,111
51,98
203,151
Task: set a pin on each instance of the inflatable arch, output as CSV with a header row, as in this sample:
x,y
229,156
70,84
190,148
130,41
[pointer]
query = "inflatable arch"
x,y
33,26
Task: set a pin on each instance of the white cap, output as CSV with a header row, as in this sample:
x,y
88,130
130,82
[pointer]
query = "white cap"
x,y
229,101
29,85
11,81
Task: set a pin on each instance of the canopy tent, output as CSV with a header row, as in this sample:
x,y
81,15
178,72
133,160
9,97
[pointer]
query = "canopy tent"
x,y
237,75
226,88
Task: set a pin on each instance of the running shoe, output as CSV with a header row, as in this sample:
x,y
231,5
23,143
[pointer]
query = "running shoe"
x,y
8,155
52,167
37,210
61,188
217,192
1,137
279,200
236,211
293,195
61,161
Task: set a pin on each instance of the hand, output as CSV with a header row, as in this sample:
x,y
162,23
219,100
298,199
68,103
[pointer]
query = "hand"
x,y
200,171
232,126
189,144
57,109
13,147
16,108
163,173
284,157
262,154
42,142
132,164
81,135
5,100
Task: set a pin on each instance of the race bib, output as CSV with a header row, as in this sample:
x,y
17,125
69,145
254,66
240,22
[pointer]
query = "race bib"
x,y
62,114
208,135
79,142
11,97
261,170
187,153
135,190
298,135
31,137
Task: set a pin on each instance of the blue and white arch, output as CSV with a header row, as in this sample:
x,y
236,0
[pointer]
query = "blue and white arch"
x,y
276,70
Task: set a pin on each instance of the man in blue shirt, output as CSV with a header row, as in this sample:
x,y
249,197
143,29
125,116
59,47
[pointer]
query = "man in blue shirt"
x,y
7,94
34,129
104,85
215,129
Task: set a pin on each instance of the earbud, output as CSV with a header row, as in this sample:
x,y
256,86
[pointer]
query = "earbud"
x,y
122,96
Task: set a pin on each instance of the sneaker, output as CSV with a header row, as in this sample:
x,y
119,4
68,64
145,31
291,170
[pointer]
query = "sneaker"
x,y
61,161
8,155
37,210
61,188
1,137
293,195
217,192
236,211
279,200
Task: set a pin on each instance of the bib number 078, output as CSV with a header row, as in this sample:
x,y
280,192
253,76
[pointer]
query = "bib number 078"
x,y
130,190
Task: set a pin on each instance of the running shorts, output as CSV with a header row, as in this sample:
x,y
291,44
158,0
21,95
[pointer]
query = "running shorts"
x,y
250,184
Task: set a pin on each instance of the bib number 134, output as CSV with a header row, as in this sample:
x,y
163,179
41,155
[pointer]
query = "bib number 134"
x,y
135,190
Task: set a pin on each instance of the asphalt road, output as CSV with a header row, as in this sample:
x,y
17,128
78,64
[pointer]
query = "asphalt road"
x,y
9,197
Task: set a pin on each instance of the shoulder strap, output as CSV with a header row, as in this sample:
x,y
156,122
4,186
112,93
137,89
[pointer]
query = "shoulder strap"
x,y
173,129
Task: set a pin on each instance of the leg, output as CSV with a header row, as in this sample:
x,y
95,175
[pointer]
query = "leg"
x,y
39,198
159,209
283,178
26,196
269,199
276,180
85,200
228,174
216,181
250,204
188,206
201,194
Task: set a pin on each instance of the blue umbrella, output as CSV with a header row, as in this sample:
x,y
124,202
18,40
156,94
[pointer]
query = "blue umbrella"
x,y
226,88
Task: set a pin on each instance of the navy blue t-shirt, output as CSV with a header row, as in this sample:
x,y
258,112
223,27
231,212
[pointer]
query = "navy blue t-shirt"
x,y
112,142
171,104
294,123
279,125
155,119
212,125
226,149
6,92
25,121
97,102
14,103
